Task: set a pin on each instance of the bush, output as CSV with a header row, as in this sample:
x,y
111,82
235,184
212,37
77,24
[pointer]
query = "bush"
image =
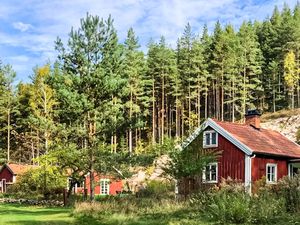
x,y
289,189
231,204
39,182
266,208
157,189
227,208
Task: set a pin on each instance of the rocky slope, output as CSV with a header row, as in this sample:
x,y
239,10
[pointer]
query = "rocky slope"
x,y
288,124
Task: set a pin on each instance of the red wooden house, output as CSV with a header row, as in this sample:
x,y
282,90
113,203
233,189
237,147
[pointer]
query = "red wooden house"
x,y
103,185
9,174
248,152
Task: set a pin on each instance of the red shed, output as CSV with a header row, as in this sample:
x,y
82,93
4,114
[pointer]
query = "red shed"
x,y
248,152
10,172
104,185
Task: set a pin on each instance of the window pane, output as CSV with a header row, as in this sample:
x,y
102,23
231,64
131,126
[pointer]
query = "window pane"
x,y
104,187
207,139
207,173
271,173
213,138
213,172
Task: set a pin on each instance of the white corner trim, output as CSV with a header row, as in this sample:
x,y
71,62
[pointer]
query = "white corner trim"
x,y
210,123
248,169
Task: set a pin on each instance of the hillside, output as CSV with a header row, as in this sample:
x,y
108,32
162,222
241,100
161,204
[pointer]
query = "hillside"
x,y
287,122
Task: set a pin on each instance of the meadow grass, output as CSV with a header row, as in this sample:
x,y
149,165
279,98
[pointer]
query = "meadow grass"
x,y
32,215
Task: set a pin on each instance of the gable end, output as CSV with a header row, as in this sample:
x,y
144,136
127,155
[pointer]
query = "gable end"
x,y
210,123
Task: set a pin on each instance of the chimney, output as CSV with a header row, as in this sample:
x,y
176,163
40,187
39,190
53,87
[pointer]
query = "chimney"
x,y
252,118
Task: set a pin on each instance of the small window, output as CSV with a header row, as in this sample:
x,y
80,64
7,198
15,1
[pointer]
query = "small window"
x,y
210,139
271,173
210,173
104,186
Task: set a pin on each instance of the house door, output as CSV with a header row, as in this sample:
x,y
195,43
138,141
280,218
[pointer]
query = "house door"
x,y
294,168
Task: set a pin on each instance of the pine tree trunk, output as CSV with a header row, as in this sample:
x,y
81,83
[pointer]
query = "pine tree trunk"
x,y
112,143
206,101
153,115
162,109
130,128
199,105
115,143
190,107
233,102
177,119
274,93
222,94
8,135
244,91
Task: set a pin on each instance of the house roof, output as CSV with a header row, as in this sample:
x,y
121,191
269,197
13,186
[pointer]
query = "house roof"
x,y
262,140
249,139
17,168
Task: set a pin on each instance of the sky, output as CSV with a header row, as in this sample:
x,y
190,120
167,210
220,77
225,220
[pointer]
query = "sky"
x,y
29,28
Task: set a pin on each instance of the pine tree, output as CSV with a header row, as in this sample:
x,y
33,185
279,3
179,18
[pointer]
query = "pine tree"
x,y
8,106
290,76
250,66
134,68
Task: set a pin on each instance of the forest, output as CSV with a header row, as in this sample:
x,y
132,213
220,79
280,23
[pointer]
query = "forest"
x,y
103,95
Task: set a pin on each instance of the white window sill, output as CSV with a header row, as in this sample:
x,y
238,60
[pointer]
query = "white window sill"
x,y
210,182
210,146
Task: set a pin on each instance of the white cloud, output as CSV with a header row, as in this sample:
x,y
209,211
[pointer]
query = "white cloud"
x,y
22,26
149,18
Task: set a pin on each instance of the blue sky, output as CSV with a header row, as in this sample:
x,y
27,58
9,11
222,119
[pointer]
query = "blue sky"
x,y
29,28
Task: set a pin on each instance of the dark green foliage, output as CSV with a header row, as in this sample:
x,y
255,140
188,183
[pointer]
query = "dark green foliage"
x,y
229,206
41,182
288,188
157,190
105,105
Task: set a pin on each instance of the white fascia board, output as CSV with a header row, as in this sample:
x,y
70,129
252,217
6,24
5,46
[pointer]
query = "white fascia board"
x,y
193,136
210,123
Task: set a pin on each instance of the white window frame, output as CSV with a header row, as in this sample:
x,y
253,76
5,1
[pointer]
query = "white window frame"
x,y
210,145
204,178
275,173
107,182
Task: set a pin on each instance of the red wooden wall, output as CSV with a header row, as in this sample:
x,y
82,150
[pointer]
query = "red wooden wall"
x,y
259,164
232,161
115,186
6,174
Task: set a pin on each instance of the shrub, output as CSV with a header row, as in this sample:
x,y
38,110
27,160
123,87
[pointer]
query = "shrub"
x,y
228,207
266,208
231,204
289,189
157,189
40,181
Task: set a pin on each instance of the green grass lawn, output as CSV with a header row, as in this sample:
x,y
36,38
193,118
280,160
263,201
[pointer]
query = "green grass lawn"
x,y
11,214
32,215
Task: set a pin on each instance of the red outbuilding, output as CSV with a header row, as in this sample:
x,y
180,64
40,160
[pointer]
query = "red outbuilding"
x,y
248,152
104,184
9,174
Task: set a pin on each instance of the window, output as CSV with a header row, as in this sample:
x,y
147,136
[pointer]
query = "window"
x,y
104,186
271,173
210,173
210,139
